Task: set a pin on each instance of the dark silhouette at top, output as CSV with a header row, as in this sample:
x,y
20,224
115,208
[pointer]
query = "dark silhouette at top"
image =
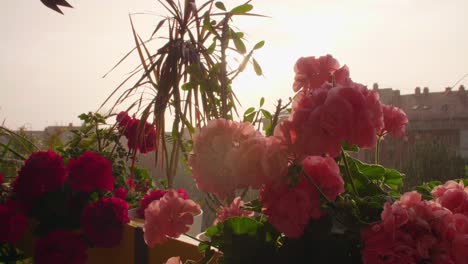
x,y
53,4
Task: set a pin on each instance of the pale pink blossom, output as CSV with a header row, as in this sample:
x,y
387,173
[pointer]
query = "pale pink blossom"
x,y
395,121
234,210
174,260
169,216
216,152
229,155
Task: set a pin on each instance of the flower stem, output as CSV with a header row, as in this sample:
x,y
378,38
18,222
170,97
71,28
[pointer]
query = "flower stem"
x,y
348,171
377,150
316,186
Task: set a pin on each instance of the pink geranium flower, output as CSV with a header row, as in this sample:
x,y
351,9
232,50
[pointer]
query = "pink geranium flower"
x,y
312,72
411,231
453,196
326,175
234,210
289,210
169,216
323,118
395,121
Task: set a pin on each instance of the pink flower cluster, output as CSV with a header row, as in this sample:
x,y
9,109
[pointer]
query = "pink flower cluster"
x,y
331,109
229,155
144,141
290,208
234,210
395,121
169,216
416,231
156,195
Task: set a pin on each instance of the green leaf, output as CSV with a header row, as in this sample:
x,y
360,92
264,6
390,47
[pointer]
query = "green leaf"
x,y
250,117
393,179
426,188
220,5
345,145
249,110
211,48
266,114
259,45
242,9
240,46
257,68
187,86
262,101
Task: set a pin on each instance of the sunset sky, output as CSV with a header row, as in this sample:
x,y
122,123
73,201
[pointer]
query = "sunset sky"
x,y
51,66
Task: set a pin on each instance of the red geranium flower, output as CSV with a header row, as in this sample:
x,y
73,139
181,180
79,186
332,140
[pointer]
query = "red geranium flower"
x,y
13,223
60,246
41,173
121,193
144,141
1,178
90,172
103,221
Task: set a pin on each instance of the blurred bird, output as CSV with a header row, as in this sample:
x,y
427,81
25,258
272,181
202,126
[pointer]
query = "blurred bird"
x,y
53,4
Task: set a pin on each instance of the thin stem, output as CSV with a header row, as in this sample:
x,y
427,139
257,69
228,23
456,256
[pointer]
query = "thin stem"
x,y
377,150
98,137
316,186
348,171
192,237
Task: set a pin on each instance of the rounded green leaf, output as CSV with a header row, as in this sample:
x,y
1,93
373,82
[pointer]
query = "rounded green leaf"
x,y
242,9
259,45
220,5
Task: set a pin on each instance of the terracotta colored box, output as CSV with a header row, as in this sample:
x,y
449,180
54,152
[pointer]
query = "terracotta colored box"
x,y
132,249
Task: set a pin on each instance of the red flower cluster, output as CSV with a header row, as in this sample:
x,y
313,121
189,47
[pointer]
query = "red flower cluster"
x,y
144,141
328,113
416,231
103,221
156,195
121,193
90,172
42,172
290,209
60,246
13,223
1,178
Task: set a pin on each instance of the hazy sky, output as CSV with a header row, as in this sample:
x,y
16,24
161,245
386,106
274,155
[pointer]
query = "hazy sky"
x,y
51,66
